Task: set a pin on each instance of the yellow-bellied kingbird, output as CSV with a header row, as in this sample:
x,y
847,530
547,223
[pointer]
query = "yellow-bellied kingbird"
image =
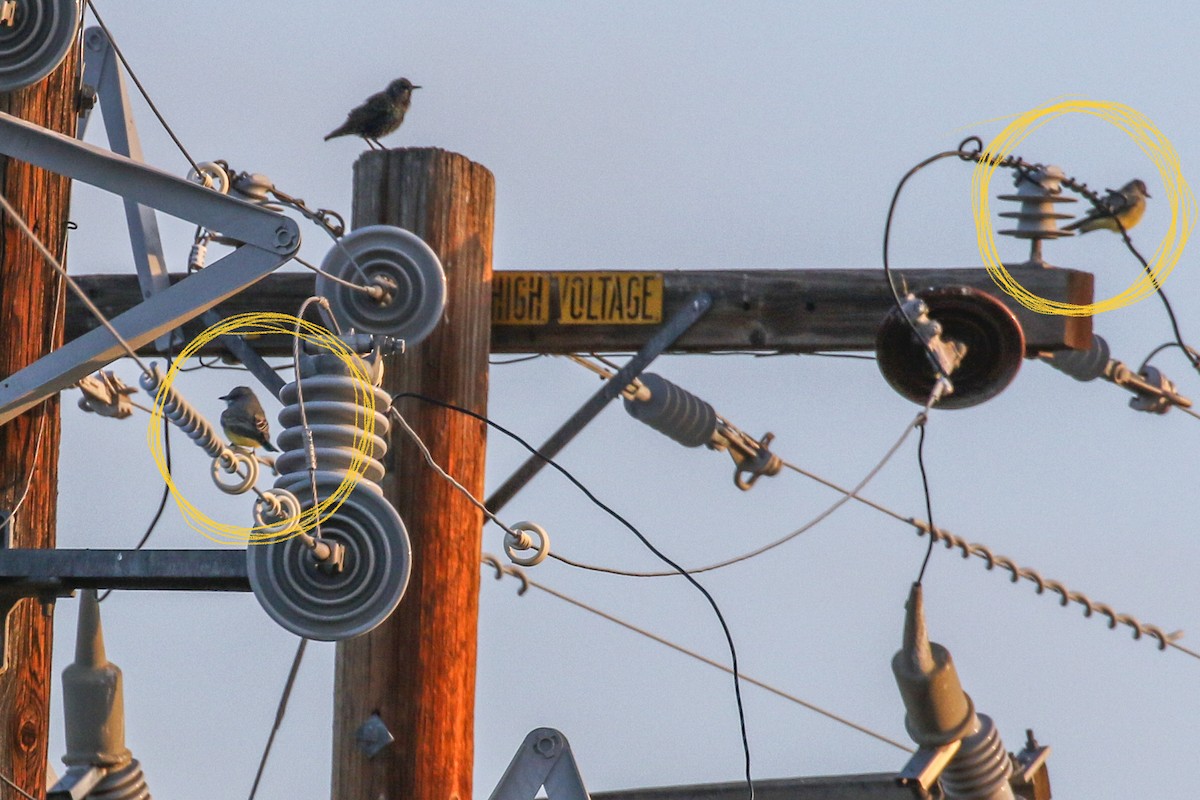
x,y
244,422
1128,205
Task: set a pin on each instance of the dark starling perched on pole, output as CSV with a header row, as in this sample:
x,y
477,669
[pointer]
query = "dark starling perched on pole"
x,y
381,114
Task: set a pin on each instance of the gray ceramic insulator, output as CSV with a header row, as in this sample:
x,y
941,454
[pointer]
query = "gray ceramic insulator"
x,y
939,711
1082,365
93,698
674,412
981,768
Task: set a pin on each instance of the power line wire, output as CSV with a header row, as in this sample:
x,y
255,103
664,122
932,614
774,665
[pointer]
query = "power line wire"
x,y
142,89
280,710
23,793
1018,572
737,687
518,573
162,500
805,528
79,292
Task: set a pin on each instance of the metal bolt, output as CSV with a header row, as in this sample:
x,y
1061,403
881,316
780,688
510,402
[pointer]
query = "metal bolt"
x,y
372,736
94,39
548,746
285,238
86,99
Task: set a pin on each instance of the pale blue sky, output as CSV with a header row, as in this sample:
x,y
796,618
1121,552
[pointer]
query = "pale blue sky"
x,y
689,136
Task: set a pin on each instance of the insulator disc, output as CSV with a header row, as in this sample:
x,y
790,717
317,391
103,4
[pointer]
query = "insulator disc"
x,y
400,261
330,606
993,336
38,40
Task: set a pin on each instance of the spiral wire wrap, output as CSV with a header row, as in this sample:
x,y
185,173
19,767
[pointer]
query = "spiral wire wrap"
x,y
1041,584
193,424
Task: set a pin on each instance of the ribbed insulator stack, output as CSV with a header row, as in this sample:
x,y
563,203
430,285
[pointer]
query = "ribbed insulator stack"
x,y
1082,365
674,412
1037,192
308,599
332,407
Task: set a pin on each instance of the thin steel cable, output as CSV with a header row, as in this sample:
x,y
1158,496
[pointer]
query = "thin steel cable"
x,y
1188,352
310,447
517,572
641,537
518,360
22,792
279,713
1164,346
80,293
142,89
420,443
349,284
319,220
812,523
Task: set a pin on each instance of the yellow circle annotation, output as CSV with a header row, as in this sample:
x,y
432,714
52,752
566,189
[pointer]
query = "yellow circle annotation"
x,y
1151,142
259,323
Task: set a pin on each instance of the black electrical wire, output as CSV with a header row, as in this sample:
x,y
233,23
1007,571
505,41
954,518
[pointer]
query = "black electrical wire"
x,y
518,360
1188,352
737,686
887,235
162,501
280,710
928,502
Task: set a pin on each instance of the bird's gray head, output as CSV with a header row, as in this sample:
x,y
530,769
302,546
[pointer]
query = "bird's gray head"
x,y
1135,186
237,393
401,88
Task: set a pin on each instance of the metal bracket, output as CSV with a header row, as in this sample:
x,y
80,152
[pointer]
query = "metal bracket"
x,y
544,759
663,338
102,72
926,766
269,240
50,574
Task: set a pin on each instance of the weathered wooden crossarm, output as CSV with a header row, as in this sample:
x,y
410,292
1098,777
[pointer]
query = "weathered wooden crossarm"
x,y
788,311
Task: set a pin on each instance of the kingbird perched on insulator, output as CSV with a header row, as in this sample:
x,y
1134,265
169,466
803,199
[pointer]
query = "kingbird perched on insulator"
x,y
1125,206
244,421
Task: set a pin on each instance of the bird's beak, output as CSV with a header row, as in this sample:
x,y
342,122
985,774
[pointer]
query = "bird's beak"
x,y
416,87
223,397
1146,193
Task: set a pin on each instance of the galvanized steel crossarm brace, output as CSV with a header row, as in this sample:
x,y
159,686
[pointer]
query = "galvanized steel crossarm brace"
x,y
269,240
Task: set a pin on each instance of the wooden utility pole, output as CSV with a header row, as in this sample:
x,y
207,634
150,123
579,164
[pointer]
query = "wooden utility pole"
x,y
417,670
31,324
